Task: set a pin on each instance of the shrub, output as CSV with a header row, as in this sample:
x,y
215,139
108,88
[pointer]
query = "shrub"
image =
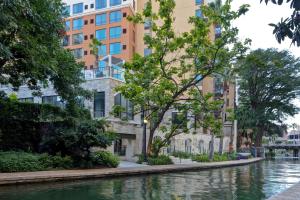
x,y
105,158
181,154
160,160
21,162
232,156
218,158
200,158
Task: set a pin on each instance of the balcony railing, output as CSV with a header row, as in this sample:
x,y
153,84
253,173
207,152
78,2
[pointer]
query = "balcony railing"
x,y
105,72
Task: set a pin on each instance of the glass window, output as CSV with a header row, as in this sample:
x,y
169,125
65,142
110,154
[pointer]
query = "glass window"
x,y
127,107
27,99
77,38
99,104
115,48
147,52
78,8
101,4
101,19
78,53
67,25
115,32
147,24
198,2
66,40
115,2
115,16
101,34
102,50
77,24
66,11
53,100
198,13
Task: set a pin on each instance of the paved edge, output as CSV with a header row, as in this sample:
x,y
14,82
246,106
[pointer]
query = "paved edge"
x,y
70,175
290,193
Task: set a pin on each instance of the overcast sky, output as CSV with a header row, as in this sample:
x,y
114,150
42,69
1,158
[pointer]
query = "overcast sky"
x,y
254,25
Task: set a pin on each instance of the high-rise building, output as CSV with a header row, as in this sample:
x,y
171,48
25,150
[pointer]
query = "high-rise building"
x,y
107,21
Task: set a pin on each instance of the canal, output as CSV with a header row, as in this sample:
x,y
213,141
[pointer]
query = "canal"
x,y
254,182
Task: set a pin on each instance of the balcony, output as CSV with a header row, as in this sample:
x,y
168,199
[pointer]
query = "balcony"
x,y
108,67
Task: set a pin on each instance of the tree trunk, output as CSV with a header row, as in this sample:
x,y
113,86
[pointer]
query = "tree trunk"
x,y
221,145
258,139
211,150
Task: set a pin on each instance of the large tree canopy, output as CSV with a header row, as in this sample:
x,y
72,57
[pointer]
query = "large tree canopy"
x,y
269,82
30,47
289,27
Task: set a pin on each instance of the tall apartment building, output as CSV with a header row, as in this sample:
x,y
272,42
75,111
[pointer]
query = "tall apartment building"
x,y
107,21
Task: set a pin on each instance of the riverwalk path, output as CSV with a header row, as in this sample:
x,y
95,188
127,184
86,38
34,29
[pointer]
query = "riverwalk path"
x,y
292,193
69,175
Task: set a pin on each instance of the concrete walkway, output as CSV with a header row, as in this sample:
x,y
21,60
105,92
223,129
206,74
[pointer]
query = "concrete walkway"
x,y
127,164
292,193
67,175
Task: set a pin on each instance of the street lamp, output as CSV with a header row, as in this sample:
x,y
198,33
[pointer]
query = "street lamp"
x,y
144,125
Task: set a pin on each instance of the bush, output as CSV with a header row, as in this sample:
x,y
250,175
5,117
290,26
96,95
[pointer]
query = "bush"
x,y
219,158
22,162
181,154
200,158
160,160
105,158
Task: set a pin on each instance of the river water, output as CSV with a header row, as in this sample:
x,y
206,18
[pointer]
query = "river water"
x,y
252,182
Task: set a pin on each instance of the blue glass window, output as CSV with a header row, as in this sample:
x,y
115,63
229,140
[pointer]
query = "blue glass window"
x,y
115,2
198,2
147,24
198,13
147,52
101,19
78,8
77,24
101,4
66,11
115,32
115,16
101,34
67,25
115,48
102,50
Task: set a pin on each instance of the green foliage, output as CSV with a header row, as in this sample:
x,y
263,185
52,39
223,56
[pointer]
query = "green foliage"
x,y
21,162
290,26
269,82
160,160
200,158
181,154
105,158
169,78
219,158
30,48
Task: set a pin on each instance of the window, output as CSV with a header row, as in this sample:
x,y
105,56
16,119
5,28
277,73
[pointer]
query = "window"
x,y
99,104
115,16
53,100
78,8
124,30
66,11
198,13
85,37
27,99
147,52
77,38
127,107
92,5
198,2
66,40
115,2
91,21
179,119
102,50
86,7
77,24
78,53
91,36
86,22
218,31
101,19
115,48
101,4
115,32
67,25
85,53
147,24
101,34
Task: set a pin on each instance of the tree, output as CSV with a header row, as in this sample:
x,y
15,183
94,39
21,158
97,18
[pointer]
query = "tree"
x,y
168,79
289,27
30,48
269,82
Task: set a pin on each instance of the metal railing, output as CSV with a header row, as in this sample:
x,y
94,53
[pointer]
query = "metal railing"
x,y
105,72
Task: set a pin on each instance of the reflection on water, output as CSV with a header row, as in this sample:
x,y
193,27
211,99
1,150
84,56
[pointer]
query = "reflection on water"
x,y
254,182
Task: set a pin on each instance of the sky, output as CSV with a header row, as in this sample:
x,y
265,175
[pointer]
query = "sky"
x,y
254,25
